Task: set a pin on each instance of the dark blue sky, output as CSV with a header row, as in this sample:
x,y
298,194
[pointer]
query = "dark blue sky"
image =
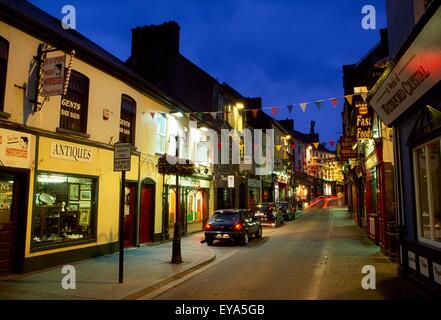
x,y
285,51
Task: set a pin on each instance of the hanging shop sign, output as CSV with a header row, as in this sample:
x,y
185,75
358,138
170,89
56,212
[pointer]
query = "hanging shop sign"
x,y
16,149
364,121
62,150
417,71
346,148
53,76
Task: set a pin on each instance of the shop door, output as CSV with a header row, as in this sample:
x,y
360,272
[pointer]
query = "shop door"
x,y
147,209
12,221
129,210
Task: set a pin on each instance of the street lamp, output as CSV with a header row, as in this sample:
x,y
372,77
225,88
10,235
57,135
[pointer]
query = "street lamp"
x,y
176,247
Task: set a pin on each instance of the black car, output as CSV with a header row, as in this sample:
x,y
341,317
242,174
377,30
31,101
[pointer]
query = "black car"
x,y
268,214
232,225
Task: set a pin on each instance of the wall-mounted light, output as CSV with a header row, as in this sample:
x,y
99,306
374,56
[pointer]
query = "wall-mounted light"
x,y
178,115
240,106
203,129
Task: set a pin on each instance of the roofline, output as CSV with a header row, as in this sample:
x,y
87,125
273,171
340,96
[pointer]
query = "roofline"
x,y
28,24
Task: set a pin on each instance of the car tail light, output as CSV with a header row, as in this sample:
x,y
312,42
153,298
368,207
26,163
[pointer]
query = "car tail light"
x,y
238,226
208,226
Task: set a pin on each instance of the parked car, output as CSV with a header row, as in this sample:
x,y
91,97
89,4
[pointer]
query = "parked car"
x,y
286,210
268,214
232,225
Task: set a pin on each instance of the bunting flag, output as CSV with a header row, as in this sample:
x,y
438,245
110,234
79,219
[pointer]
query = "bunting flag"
x,y
254,112
278,147
290,108
163,114
152,114
214,115
219,145
334,102
293,146
364,95
274,110
303,106
318,104
332,143
349,99
316,144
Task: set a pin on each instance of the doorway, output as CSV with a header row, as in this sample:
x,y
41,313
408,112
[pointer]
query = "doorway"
x,y
129,213
147,213
13,208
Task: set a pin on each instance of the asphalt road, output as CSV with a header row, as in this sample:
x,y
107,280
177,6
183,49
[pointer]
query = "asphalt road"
x,y
319,255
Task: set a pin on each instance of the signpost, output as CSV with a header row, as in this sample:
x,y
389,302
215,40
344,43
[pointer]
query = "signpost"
x,y
121,162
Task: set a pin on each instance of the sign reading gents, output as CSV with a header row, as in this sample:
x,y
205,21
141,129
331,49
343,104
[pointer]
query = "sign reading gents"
x,y
70,152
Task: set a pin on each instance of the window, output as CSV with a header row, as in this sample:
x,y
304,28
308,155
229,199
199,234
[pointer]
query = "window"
x,y
127,120
160,133
427,160
64,211
4,50
74,104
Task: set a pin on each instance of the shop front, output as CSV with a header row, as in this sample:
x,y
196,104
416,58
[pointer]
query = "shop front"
x,y
411,104
17,154
254,192
268,190
75,196
194,204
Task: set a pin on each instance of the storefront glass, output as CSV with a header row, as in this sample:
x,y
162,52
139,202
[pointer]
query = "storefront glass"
x,y
428,178
6,194
194,206
64,211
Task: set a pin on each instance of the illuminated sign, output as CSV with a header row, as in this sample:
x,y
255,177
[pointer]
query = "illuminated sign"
x,y
363,121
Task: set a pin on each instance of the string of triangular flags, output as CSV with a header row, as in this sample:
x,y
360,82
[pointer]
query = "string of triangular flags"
x,y
316,145
275,109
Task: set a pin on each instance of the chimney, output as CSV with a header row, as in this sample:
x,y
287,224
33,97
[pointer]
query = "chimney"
x,y
312,131
155,52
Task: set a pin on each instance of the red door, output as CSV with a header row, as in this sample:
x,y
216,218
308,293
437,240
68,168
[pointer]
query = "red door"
x,y
146,214
129,208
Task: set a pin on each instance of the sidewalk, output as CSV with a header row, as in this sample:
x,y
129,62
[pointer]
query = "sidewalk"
x,y
145,269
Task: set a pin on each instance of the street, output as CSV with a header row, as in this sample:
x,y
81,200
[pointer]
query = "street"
x,y
319,255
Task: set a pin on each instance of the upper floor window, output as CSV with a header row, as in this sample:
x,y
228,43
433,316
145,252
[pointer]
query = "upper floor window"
x,y
427,167
161,132
4,50
74,104
127,120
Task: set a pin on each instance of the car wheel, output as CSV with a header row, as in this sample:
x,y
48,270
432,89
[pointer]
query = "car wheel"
x,y
245,239
210,242
259,233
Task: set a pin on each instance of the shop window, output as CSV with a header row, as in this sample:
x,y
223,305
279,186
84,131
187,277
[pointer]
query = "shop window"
x,y
64,211
128,120
172,207
74,104
427,159
4,50
191,207
160,133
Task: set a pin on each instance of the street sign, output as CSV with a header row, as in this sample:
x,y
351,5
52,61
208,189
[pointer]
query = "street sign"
x,y
230,181
122,156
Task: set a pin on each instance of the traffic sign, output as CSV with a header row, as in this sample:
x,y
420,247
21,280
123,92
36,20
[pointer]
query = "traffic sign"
x,y
122,157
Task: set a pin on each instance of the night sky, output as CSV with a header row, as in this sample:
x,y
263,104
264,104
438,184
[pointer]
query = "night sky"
x,y
285,51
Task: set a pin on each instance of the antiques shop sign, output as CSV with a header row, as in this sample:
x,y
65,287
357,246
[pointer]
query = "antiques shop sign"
x,y
71,152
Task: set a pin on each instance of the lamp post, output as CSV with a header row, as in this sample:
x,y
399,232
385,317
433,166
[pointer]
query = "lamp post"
x,y
176,247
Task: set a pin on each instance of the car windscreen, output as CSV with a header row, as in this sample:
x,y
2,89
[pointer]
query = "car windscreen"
x,y
261,208
225,217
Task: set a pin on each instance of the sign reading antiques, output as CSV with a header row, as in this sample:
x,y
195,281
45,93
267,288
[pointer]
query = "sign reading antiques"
x,y
53,76
71,152
417,71
364,121
16,149
122,157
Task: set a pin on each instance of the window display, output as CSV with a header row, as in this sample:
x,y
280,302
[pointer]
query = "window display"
x,y
64,210
428,179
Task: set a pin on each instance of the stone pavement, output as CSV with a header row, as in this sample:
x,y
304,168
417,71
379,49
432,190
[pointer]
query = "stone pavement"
x,y
145,269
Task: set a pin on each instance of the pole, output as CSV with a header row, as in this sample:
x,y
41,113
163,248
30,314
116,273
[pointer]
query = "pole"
x,y
121,228
176,249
